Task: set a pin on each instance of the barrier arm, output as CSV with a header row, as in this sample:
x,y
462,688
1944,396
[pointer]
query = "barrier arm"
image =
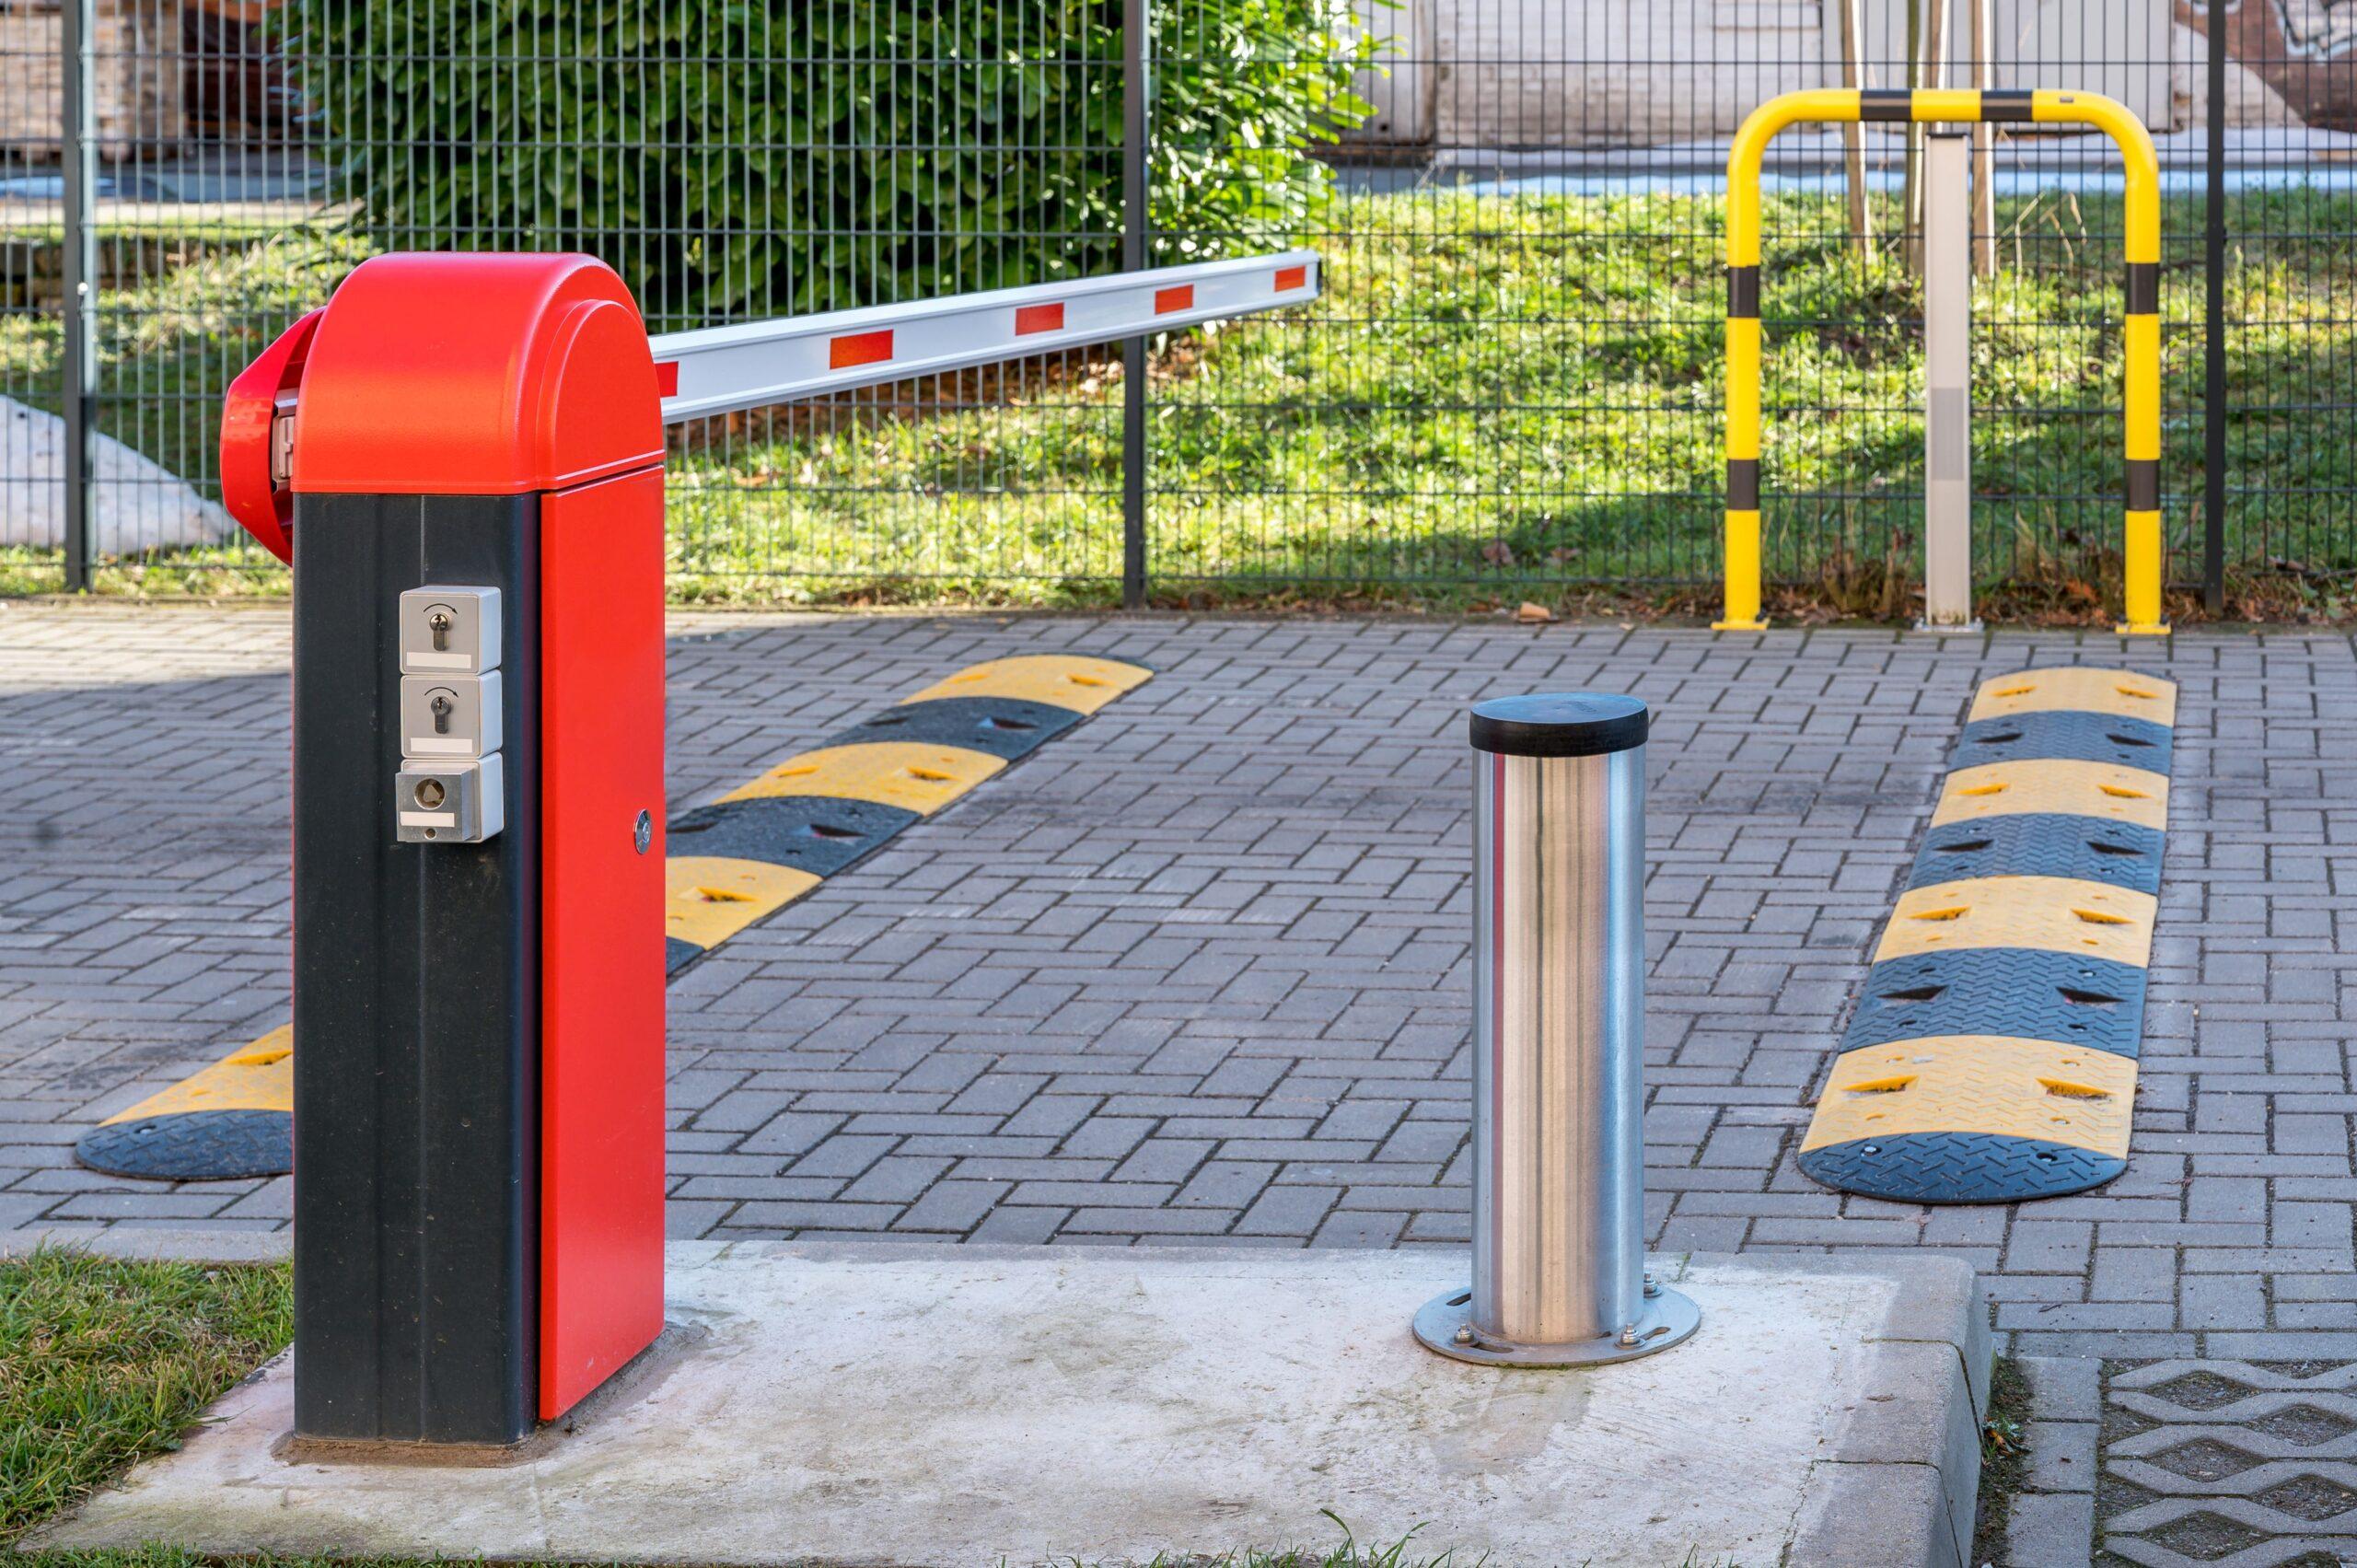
x,y
2141,334
717,370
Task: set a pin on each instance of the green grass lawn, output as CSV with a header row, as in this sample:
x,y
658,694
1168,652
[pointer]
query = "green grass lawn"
x,y
1497,398
104,1362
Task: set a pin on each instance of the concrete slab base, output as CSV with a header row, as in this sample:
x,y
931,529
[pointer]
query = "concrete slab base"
x,y
833,1403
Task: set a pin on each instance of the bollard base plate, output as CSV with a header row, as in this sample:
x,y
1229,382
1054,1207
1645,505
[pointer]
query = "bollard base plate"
x,y
1445,1325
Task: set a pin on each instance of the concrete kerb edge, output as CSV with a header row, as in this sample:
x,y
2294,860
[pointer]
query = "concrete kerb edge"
x,y
1902,1482
1940,1302
160,1244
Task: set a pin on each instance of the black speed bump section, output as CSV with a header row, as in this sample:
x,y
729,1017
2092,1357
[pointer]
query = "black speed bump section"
x,y
728,865
235,1119
1003,727
2065,736
1991,1057
2018,991
2081,848
1962,1168
820,834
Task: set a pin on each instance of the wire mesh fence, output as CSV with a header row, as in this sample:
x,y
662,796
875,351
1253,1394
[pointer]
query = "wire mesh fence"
x,y
2286,287
1511,386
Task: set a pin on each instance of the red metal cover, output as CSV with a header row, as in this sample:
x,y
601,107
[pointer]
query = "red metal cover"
x,y
250,495
482,374
601,930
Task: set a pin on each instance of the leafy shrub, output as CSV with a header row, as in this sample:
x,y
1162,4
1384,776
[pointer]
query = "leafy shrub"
x,y
750,157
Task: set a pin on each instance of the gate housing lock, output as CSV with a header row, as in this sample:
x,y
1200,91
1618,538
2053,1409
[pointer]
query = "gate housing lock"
x,y
447,802
450,718
450,630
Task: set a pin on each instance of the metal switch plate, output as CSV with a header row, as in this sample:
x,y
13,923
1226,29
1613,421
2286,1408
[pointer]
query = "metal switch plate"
x,y
454,716
450,630
448,803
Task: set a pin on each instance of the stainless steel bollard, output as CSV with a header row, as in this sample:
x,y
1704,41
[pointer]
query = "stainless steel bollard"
x,y
1559,958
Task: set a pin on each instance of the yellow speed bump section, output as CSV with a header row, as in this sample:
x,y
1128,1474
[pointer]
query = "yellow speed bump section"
x,y
2050,786
2059,914
2118,692
260,1076
1978,1086
233,1119
708,899
908,774
1066,681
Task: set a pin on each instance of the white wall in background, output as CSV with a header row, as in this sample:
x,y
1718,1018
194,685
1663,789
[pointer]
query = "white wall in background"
x,y
1599,73
1401,87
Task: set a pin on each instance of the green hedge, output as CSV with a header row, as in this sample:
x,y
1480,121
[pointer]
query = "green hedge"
x,y
736,157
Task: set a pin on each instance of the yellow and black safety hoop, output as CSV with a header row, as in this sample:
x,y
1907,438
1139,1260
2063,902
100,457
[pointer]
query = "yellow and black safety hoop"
x,y
2142,331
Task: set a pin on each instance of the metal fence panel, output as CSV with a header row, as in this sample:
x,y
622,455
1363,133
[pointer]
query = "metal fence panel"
x,y
2288,183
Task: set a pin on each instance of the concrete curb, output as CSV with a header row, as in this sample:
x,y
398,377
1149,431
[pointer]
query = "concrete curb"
x,y
1902,1481
159,1243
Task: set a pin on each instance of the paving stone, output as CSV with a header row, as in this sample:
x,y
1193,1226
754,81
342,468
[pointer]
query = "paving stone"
x,y
2050,1531
2208,1459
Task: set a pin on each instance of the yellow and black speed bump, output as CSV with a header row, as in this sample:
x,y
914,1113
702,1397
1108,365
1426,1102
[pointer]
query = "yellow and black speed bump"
x,y
759,847
728,864
234,1119
1992,1055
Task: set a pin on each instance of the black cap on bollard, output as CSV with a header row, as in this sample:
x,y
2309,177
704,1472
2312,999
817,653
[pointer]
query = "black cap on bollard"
x,y
1560,724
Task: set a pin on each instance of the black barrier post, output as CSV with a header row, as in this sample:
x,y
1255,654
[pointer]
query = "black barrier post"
x,y
77,22
1133,257
2213,328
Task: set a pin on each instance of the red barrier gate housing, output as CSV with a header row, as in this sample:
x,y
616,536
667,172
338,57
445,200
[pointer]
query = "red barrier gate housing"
x,y
476,511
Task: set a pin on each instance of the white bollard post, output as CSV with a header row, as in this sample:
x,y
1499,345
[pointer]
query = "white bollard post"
x,y
1947,385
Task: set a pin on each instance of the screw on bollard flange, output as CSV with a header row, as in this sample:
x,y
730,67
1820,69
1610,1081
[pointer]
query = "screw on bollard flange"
x,y
1559,848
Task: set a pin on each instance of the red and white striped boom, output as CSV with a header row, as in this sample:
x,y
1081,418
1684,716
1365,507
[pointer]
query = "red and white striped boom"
x,y
718,370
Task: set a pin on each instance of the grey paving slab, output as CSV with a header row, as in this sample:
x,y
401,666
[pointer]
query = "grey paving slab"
x,y
2209,1460
1196,970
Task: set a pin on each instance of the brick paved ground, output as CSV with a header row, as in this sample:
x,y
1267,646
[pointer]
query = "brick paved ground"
x,y
1196,970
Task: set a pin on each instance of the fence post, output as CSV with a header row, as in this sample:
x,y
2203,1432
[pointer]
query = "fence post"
x,y
1134,131
77,21
1853,136
1984,146
2213,326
